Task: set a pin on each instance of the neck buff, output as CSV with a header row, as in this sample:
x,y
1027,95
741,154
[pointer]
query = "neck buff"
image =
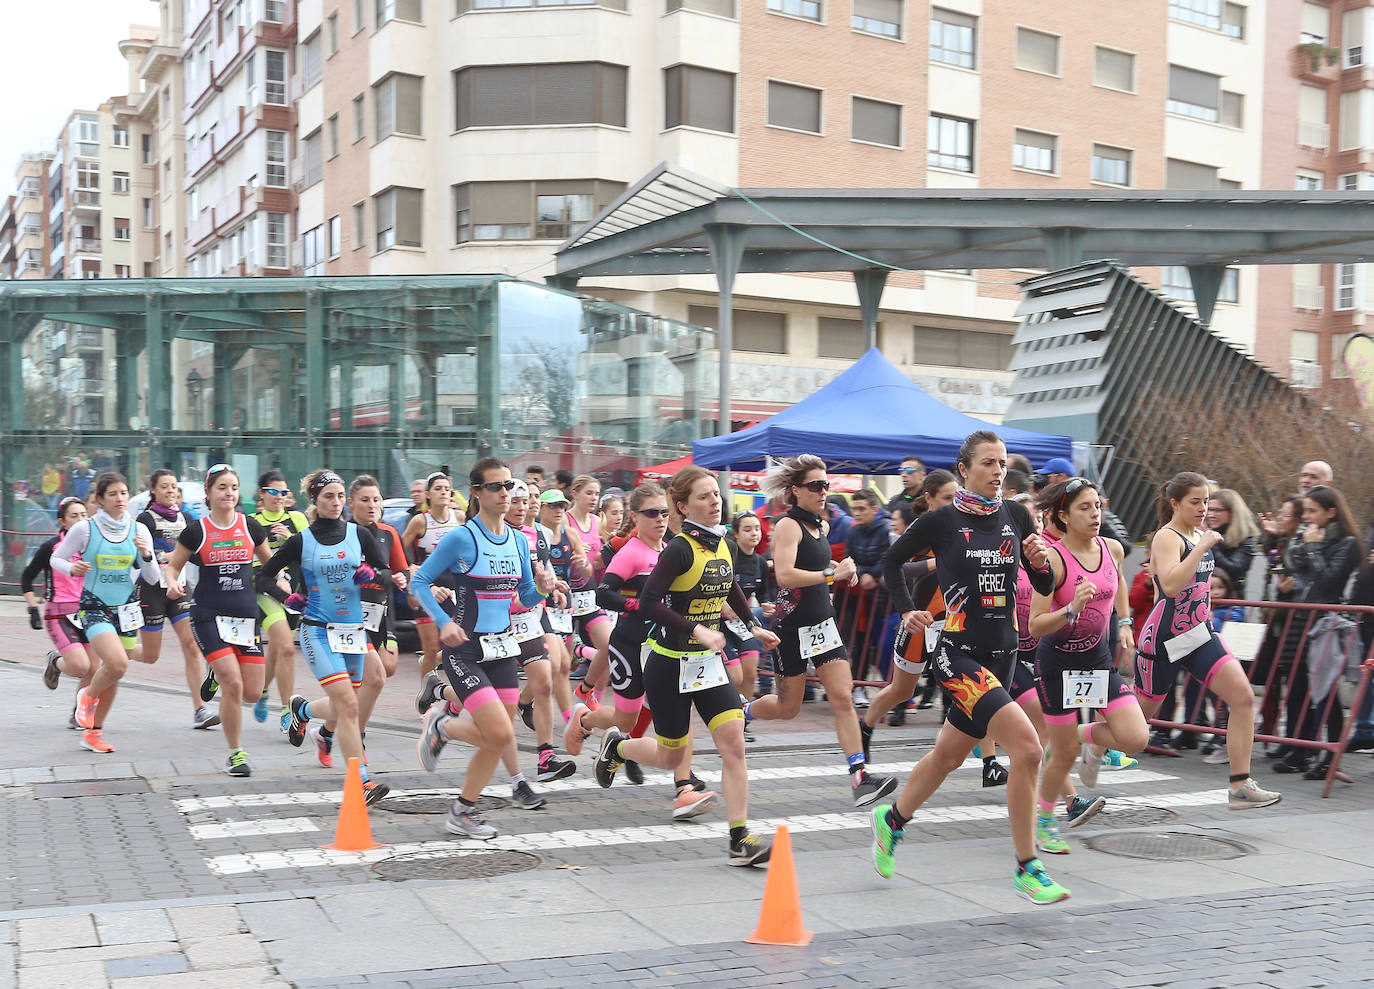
x,y
975,504
708,535
163,510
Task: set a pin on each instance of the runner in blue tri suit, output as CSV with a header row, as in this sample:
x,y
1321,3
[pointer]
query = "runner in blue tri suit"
x,y
489,562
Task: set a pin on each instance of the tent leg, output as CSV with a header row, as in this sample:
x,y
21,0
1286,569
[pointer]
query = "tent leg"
x,y
870,283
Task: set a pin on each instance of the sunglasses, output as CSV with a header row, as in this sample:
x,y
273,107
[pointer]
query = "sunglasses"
x,y
277,492
1072,488
815,487
911,470
496,486
652,513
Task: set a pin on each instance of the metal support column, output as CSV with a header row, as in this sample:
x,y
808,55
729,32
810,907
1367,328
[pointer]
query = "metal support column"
x,y
1063,247
316,370
1206,279
727,251
126,381
13,467
488,368
870,283
346,395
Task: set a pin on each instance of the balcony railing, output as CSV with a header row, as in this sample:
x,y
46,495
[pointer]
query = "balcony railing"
x,y
1305,374
85,245
1307,297
85,198
1314,135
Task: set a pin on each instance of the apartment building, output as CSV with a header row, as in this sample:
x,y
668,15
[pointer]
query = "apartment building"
x,y
31,205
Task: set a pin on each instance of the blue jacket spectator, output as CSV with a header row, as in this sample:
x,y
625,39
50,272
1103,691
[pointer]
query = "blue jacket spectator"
x,y
869,536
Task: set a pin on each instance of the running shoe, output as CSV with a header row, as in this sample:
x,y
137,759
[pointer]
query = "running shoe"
x,y
374,791
85,709
885,838
51,674
324,747
586,696
1081,810
1088,765
527,714
897,716
634,773
872,788
994,773
260,709
286,720
1249,795
554,768
429,692
524,797
1032,883
607,762
237,764
204,718
573,733
209,687
859,697
1047,837
432,740
1112,760
295,729
696,782
468,824
691,803
94,739
580,671
1218,756
72,723
749,850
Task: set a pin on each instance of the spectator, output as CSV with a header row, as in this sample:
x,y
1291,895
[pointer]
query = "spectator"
x,y
1016,485
1314,473
903,517
81,479
913,473
417,495
868,537
51,485
1056,469
837,509
1223,589
1320,563
1228,514
1019,461
1284,631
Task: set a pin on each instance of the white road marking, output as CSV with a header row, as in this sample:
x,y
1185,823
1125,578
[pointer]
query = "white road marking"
x,y
248,829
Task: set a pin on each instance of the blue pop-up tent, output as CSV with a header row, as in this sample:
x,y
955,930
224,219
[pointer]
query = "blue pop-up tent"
x,y
864,422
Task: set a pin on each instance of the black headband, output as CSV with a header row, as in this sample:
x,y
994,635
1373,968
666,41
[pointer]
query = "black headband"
x,y
321,481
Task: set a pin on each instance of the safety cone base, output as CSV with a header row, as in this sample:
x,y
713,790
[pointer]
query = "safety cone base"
x,y
780,918
801,941
353,833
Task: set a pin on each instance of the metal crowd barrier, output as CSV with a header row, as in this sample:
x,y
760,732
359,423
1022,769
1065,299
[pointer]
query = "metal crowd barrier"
x,y
16,549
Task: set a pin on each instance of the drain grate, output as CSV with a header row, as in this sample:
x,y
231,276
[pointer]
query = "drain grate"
x,y
92,788
1167,846
1134,817
461,863
434,802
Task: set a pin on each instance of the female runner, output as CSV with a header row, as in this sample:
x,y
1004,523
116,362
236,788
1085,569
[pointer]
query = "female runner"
x,y
280,522
62,599
592,625
436,518
742,652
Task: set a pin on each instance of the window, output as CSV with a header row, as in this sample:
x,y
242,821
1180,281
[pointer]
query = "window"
x,y
331,129
1194,94
88,130
1177,284
313,157
1033,150
809,9
145,143
875,122
149,214
274,11
276,240
697,97
1232,109
276,159
331,30
396,105
1111,165
949,143
1189,175
551,93
794,107
1345,286
753,331
1352,36
312,251
839,338
398,216
121,228
121,138
1113,69
312,61
121,182
1308,180
961,348
1316,24
359,225
952,38
1305,346
275,73
334,237
359,15
1203,13
880,17
1037,51
147,269
397,10
359,118
87,175
123,271
722,8
1233,21
546,210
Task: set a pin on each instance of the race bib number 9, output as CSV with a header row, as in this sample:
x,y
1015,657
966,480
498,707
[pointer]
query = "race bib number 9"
x,y
349,639
236,631
816,640
701,672
1085,688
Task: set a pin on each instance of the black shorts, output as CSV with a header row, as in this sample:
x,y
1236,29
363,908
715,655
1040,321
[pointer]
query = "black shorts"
x,y
1022,675
1155,675
672,709
478,680
1050,665
152,598
627,666
791,662
385,636
207,636
975,691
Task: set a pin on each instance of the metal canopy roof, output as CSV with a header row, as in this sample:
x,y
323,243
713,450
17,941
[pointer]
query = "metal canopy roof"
x,y
662,225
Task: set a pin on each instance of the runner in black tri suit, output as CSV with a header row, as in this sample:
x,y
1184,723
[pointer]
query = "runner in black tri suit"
x,y
979,543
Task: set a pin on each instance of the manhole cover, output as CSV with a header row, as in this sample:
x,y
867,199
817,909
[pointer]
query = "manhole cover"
x,y
1167,846
459,863
433,802
91,788
1134,817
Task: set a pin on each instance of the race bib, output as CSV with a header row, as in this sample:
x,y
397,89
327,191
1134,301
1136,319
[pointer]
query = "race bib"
x,y
737,628
819,639
373,613
130,617
1085,688
1181,645
525,626
701,672
583,603
349,638
560,620
75,619
499,645
236,631
933,631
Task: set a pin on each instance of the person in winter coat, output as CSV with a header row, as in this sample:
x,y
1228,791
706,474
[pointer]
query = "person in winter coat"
x,y
866,541
1228,514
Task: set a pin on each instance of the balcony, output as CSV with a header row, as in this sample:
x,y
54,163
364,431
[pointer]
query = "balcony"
x,y
196,12
226,51
1314,61
85,245
1307,297
201,228
1304,374
1313,135
229,129
84,199
199,156
230,208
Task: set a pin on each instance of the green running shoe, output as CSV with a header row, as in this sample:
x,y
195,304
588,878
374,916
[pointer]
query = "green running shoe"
x,y
1112,759
1047,837
1032,883
884,841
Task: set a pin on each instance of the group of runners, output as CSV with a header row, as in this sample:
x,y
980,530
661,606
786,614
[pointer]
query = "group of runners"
x,y
662,612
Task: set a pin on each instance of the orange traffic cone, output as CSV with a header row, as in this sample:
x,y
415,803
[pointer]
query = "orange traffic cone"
x,y
780,920
353,833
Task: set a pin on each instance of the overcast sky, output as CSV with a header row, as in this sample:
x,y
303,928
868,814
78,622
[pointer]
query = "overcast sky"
x,y
59,56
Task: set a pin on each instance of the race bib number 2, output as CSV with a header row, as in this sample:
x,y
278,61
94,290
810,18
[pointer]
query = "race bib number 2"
x,y
701,672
